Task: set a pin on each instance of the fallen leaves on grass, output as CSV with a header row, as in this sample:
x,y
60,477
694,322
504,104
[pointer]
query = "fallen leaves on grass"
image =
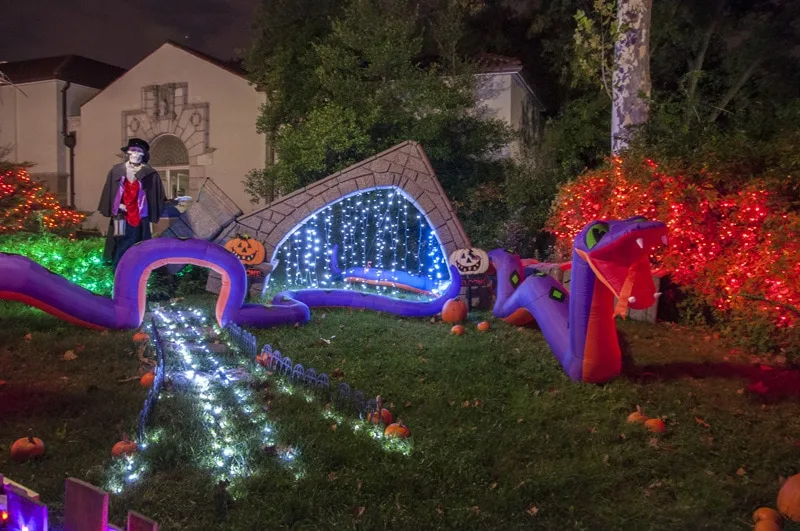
x,y
650,488
533,510
652,442
69,355
702,422
605,460
28,337
331,476
741,471
337,373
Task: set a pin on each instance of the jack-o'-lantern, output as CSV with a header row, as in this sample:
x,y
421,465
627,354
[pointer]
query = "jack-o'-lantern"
x,y
470,261
246,249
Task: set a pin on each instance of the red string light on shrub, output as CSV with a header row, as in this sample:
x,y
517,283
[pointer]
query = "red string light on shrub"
x,y
26,205
721,245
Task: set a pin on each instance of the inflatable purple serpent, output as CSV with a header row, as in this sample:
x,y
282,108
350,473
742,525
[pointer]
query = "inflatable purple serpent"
x,y
23,280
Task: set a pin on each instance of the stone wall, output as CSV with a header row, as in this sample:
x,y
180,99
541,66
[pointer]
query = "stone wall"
x,y
405,166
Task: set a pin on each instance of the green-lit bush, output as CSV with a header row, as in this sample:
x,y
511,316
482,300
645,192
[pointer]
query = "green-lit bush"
x,y
81,262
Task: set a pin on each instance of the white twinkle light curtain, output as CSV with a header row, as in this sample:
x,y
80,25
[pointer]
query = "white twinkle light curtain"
x,y
378,228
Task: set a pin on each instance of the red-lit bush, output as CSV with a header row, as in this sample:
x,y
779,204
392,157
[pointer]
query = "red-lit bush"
x,y
26,205
736,251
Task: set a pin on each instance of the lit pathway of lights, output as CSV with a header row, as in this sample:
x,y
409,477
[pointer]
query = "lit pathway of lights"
x,y
228,405
223,405
285,387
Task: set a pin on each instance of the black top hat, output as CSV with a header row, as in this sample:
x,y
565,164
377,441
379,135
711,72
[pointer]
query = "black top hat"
x,y
136,142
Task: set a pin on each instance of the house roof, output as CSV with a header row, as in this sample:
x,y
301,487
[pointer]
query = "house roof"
x,y
232,66
72,68
490,63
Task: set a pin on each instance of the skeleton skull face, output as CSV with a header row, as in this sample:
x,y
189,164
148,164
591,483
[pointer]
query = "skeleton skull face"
x,y
135,155
470,261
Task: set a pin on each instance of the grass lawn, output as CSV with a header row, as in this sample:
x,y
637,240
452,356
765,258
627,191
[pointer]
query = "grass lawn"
x,y
502,438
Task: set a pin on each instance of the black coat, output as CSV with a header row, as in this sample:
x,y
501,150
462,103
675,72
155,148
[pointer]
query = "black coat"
x,y
153,188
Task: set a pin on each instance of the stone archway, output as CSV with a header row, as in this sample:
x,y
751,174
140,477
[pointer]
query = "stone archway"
x,y
405,166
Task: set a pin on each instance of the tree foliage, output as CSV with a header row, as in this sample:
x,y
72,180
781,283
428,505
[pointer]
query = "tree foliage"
x,y
370,84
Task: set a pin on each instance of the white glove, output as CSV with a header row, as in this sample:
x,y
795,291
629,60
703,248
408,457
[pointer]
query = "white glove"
x,y
122,207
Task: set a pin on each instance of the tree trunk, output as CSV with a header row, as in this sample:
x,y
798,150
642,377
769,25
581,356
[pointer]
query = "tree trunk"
x,y
631,78
696,65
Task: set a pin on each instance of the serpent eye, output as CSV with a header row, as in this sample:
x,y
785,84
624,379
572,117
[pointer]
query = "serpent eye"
x,y
597,231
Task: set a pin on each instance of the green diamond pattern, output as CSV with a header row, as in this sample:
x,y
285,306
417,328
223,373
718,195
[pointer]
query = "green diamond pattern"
x,y
514,279
557,295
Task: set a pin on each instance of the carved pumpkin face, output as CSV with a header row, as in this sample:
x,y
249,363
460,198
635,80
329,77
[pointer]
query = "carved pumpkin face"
x,y
246,249
470,261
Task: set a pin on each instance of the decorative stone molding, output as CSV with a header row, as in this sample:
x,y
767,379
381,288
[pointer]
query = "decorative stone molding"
x,y
165,110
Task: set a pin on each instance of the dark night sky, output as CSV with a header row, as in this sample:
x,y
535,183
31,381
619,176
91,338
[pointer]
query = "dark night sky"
x,y
122,32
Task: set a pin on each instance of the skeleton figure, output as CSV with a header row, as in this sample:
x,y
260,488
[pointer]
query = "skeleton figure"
x,y
133,198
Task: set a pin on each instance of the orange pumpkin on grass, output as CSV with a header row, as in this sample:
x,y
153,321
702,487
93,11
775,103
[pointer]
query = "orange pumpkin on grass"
x,y
767,513
124,447
484,326
768,525
147,379
457,330
27,448
655,425
140,337
789,498
454,311
637,417
398,430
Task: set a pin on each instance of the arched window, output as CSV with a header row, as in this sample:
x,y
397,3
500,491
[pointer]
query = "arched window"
x,y
169,156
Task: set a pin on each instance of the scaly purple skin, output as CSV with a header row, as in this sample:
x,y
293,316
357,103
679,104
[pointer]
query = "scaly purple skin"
x,y
23,280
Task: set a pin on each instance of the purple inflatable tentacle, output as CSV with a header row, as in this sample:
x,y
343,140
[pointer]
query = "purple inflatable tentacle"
x,y
354,299
23,280
32,282
540,294
281,313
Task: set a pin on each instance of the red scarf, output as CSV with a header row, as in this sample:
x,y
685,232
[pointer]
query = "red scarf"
x,y
130,198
